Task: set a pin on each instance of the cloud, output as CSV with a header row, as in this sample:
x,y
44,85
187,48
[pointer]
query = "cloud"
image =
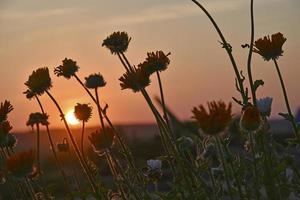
x,y
32,15
173,11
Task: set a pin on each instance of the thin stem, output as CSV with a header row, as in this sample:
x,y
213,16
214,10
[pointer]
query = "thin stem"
x,y
228,50
163,102
58,163
79,156
287,101
100,114
38,148
124,147
219,148
250,55
82,140
255,172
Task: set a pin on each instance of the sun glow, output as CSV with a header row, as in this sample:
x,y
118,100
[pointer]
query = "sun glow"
x,y
71,119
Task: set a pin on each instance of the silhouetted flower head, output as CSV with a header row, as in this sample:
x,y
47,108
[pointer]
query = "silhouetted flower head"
x,y
250,119
29,94
83,112
94,81
67,69
117,42
155,61
215,119
64,146
21,164
5,108
37,118
101,141
38,82
270,48
136,80
264,106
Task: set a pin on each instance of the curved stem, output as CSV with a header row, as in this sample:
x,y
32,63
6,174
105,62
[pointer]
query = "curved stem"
x,y
58,163
79,156
228,50
287,101
250,55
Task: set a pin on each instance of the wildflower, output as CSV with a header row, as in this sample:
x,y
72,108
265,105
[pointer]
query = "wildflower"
x,y
154,170
117,42
83,112
67,69
157,61
215,119
264,106
185,143
154,164
101,140
94,81
5,108
250,120
21,164
64,146
38,82
37,118
136,80
270,48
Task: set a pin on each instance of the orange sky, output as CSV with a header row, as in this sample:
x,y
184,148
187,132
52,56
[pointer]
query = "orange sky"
x,y
36,34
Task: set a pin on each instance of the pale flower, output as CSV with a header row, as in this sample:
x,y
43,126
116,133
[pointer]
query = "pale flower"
x,y
154,164
264,105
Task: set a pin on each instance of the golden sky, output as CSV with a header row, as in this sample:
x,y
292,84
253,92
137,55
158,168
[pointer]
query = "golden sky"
x,y
42,33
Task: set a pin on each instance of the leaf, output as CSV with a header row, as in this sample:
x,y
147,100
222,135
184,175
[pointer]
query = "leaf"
x,y
258,83
286,116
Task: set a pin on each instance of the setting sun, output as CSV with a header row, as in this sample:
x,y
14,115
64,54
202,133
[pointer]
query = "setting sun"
x,y
71,118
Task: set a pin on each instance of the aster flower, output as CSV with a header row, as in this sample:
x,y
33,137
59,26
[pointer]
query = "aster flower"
x,y
136,80
83,112
100,140
94,81
67,69
155,61
37,118
154,171
117,42
215,119
5,108
250,119
270,48
21,164
38,82
264,106
64,146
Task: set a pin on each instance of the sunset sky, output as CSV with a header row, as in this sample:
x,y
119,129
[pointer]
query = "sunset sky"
x,y
36,33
